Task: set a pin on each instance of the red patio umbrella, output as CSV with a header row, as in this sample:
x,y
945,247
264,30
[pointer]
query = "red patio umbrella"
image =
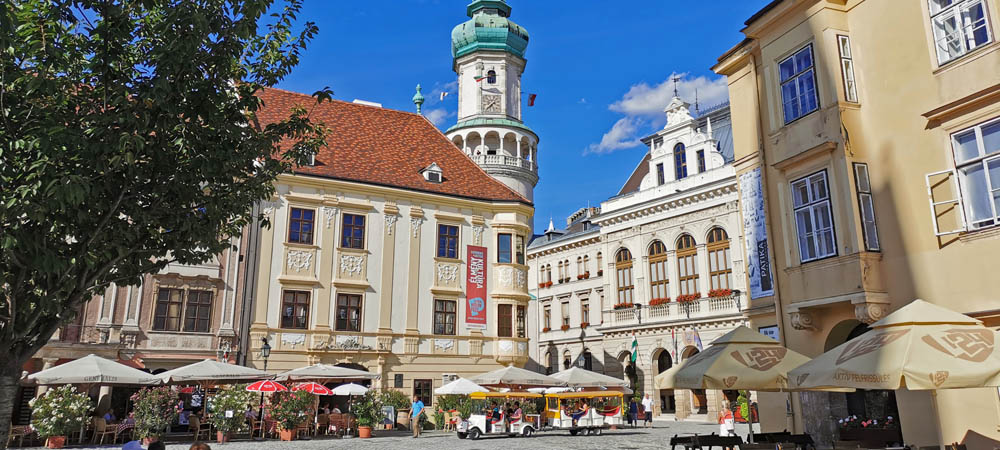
x,y
266,386
313,388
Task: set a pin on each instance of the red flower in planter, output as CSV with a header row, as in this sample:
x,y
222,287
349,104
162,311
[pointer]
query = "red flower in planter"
x,y
688,298
600,272
565,327
584,324
546,330
659,301
720,293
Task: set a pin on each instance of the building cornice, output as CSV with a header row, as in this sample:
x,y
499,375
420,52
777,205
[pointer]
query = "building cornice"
x,y
721,188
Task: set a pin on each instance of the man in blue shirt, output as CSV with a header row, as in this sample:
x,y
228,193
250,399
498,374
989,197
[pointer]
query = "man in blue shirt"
x,y
416,409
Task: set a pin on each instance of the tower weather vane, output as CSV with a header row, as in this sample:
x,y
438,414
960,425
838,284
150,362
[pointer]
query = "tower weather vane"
x,y
676,79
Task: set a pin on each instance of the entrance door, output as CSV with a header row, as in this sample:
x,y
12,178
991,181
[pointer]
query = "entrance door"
x,y
667,402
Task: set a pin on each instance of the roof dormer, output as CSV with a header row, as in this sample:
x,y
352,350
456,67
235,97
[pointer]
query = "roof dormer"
x,y
433,173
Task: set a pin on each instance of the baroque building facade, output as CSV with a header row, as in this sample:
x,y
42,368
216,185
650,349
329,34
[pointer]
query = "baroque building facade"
x,y
393,253
866,148
667,260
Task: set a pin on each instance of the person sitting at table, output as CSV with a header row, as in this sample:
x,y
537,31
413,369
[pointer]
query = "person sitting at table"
x,y
582,409
250,413
109,417
183,417
335,410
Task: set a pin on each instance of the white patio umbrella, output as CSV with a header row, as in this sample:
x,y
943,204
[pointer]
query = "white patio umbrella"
x,y
511,376
93,370
210,371
350,389
325,372
460,386
579,377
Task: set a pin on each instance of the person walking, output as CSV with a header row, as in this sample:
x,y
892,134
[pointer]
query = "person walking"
x,y
727,425
633,412
647,411
416,410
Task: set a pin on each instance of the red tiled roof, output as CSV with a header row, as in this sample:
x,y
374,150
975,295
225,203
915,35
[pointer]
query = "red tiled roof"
x,y
373,145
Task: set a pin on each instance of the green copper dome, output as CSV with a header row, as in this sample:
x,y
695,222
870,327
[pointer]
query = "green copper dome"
x,y
488,29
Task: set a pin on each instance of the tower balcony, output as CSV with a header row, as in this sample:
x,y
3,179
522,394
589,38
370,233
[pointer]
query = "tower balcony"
x,y
503,161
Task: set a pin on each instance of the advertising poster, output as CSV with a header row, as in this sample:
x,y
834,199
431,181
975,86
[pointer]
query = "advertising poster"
x,y
475,288
755,229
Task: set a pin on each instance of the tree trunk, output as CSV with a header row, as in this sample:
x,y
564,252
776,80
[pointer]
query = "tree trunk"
x,y
10,375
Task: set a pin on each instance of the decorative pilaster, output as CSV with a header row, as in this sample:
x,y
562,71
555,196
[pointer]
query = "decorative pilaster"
x,y
325,264
391,212
262,297
413,278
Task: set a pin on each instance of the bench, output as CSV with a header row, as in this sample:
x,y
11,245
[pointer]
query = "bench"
x,y
705,441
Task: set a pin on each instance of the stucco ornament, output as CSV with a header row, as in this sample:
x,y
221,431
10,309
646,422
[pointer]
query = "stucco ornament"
x,y
415,223
329,212
870,312
292,339
505,346
444,344
351,264
520,278
477,234
299,260
390,223
447,273
802,320
506,275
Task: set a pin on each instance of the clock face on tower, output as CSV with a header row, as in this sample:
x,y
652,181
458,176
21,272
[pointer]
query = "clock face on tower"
x,y
491,103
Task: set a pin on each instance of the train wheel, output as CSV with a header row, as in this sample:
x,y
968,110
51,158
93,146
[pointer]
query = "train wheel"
x,y
474,433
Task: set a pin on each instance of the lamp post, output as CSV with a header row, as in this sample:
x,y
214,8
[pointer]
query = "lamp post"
x,y
739,305
265,352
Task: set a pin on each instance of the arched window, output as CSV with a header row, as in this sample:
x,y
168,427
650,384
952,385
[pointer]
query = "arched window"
x,y
687,265
623,270
579,267
588,360
567,362
658,270
548,273
680,161
720,271
600,264
553,361
491,77
561,271
586,264
566,265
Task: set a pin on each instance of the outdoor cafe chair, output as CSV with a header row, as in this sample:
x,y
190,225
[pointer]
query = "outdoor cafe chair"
x,y
102,429
196,427
19,433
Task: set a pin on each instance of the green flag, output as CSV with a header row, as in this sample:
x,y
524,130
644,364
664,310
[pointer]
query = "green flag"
x,y
635,348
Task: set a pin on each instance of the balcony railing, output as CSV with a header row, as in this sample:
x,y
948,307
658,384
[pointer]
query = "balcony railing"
x,y
672,312
504,160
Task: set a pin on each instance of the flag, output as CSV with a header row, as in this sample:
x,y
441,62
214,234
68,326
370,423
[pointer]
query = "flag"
x,y
635,348
479,78
443,95
531,99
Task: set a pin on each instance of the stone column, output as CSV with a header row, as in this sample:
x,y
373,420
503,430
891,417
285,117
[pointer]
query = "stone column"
x,y
47,363
682,400
388,269
703,278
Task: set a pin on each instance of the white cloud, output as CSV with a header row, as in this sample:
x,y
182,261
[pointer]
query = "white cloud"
x,y
643,104
582,101
622,135
437,116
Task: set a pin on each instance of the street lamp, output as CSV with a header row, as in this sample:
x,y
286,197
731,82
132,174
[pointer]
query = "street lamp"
x,y
265,352
739,305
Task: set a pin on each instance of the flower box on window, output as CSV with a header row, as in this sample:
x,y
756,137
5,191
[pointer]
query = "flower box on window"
x,y
541,285
720,293
548,284
586,274
659,301
688,298
625,305
600,272
579,277
564,327
584,324
546,330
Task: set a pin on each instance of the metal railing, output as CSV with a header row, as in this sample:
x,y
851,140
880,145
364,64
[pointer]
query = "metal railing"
x,y
673,311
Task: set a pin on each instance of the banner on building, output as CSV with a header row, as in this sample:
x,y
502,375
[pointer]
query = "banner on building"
x,y
475,288
755,230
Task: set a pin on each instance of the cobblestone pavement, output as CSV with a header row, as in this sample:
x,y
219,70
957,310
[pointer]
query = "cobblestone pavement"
x,y
639,438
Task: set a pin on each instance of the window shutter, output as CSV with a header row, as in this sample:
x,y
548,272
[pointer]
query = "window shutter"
x,y
948,210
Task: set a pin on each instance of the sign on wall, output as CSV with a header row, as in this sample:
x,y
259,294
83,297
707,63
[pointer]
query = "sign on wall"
x,y
755,230
771,332
475,288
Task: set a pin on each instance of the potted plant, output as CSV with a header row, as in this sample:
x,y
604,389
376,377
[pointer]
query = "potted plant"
x,y
58,413
399,401
600,272
659,301
584,324
288,409
564,327
154,409
720,293
228,410
546,330
579,277
368,411
586,274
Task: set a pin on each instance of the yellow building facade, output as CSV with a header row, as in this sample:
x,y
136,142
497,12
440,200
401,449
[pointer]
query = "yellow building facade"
x,y
376,252
873,128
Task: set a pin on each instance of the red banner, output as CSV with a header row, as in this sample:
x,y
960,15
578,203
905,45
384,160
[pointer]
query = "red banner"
x,y
475,288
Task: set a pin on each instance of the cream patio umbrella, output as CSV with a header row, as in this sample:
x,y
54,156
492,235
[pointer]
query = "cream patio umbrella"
x,y
921,346
515,377
460,386
93,370
209,372
325,372
577,377
740,359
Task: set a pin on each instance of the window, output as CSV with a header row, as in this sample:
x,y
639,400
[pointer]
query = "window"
x,y
444,317
353,233
198,311
295,310
600,263
448,241
701,161
623,269
680,162
503,248
658,270
687,265
504,321
522,314
866,207
300,226
547,317
847,68
348,312
585,312
565,314
813,217
168,310
579,266
588,363
959,27
559,266
798,84
519,249
397,380
660,176
422,390
491,77
977,158
586,264
720,271
548,273
552,362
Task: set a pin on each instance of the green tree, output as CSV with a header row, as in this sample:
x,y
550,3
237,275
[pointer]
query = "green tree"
x,y
128,141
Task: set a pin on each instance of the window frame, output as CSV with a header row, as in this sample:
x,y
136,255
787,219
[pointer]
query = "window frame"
x,y
348,240
521,321
423,388
684,254
828,200
348,307
295,226
441,327
956,10
295,303
623,274
509,252
519,249
847,68
447,243
661,175
719,257
680,161
702,166
505,322
564,309
659,275
584,311
794,79
165,317
547,316
200,307
862,192
982,160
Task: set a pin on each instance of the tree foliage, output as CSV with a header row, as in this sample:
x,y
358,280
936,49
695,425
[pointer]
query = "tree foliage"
x,y
128,142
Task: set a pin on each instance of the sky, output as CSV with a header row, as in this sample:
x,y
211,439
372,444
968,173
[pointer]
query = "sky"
x,y
601,70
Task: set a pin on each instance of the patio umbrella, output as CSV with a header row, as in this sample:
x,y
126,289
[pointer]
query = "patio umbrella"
x,y
210,371
921,346
579,377
460,386
325,372
93,370
740,359
350,389
313,388
511,376
266,386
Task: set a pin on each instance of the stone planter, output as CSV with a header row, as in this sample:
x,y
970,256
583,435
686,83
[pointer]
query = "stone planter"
x,y
55,442
223,436
286,435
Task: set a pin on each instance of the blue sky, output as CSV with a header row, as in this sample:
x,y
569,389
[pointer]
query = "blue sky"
x,y
601,70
